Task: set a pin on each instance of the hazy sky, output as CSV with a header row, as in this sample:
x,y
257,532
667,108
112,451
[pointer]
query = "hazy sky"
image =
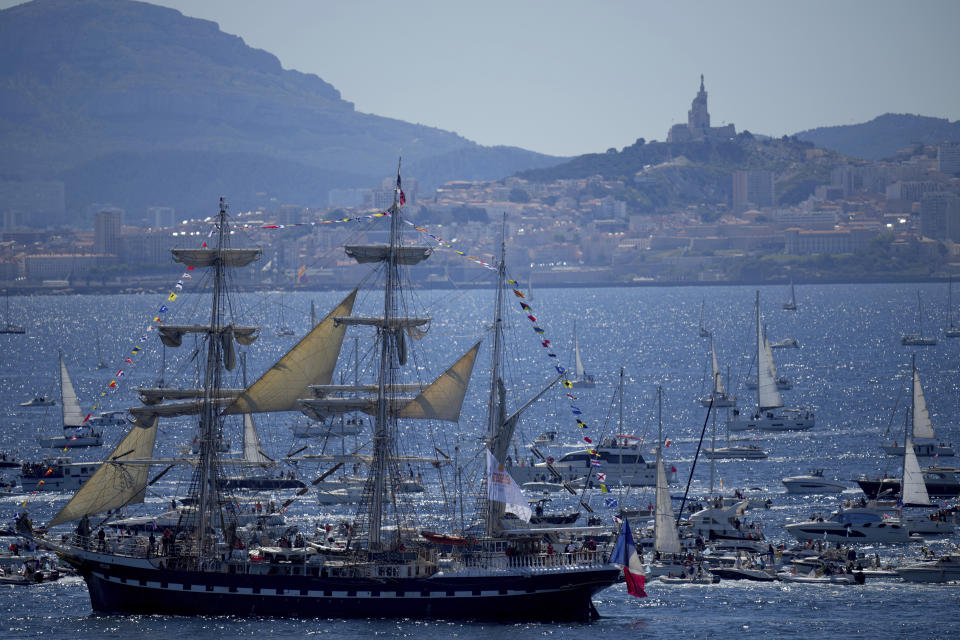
x,y
574,76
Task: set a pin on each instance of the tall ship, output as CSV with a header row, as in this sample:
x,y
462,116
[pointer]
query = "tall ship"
x,y
207,565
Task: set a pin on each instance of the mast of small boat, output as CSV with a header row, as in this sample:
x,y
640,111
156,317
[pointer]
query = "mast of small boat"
x,y
950,302
920,312
759,352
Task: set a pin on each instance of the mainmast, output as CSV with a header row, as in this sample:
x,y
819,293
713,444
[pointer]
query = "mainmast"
x,y
209,422
383,421
496,411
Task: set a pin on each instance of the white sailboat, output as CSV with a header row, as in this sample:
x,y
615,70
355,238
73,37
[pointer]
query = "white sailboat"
x,y
718,394
582,379
918,339
704,332
924,439
769,415
791,304
952,330
667,550
77,431
7,326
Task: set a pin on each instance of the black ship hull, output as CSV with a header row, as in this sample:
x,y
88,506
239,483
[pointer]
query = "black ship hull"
x,y
891,487
564,595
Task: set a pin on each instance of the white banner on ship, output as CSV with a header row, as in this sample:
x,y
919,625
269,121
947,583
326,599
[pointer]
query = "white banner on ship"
x,y
502,488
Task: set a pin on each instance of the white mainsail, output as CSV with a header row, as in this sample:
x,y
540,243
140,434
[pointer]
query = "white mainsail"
x,y
914,489
922,426
717,378
115,484
768,396
665,536
72,413
578,363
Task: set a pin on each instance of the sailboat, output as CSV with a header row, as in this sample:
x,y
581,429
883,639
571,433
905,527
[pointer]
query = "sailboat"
x,y
101,363
769,416
922,435
77,429
7,326
582,379
952,330
666,538
718,394
282,329
918,339
791,304
704,332
386,568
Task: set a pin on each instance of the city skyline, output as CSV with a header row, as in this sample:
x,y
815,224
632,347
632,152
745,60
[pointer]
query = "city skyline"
x,y
565,78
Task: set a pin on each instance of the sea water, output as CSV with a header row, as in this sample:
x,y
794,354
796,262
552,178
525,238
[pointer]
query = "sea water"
x,y
850,370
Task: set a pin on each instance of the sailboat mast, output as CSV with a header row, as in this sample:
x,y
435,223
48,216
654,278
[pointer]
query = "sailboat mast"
x,y
382,426
495,412
759,354
208,498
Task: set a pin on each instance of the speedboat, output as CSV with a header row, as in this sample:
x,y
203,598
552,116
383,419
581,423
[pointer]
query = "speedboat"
x,y
813,482
813,578
749,452
851,527
944,569
39,401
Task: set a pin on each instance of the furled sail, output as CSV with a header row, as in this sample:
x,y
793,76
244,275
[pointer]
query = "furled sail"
x,y
114,484
156,395
443,399
172,334
207,257
72,413
311,361
378,253
922,426
913,487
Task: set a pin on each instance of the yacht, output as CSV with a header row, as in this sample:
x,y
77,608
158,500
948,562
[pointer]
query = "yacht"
x,y
617,456
56,474
940,482
944,569
925,443
918,339
718,394
748,452
813,482
851,527
78,430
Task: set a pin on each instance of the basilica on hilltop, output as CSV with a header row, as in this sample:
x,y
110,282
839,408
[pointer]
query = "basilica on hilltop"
x,y
698,123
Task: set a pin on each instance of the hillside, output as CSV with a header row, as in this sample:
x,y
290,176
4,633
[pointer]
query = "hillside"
x,y
883,136
661,175
136,105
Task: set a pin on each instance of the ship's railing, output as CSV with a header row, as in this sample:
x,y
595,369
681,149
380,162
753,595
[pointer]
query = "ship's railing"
x,y
534,561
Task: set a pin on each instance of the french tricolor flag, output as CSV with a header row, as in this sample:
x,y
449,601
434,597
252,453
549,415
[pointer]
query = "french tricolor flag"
x,y
625,554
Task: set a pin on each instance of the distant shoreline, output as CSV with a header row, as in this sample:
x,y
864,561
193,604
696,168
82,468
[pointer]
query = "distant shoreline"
x,y
32,290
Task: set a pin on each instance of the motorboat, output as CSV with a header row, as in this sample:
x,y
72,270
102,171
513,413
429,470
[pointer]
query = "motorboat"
x,y
769,414
618,456
748,452
786,343
821,578
851,527
39,401
722,525
940,482
56,474
813,482
944,569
